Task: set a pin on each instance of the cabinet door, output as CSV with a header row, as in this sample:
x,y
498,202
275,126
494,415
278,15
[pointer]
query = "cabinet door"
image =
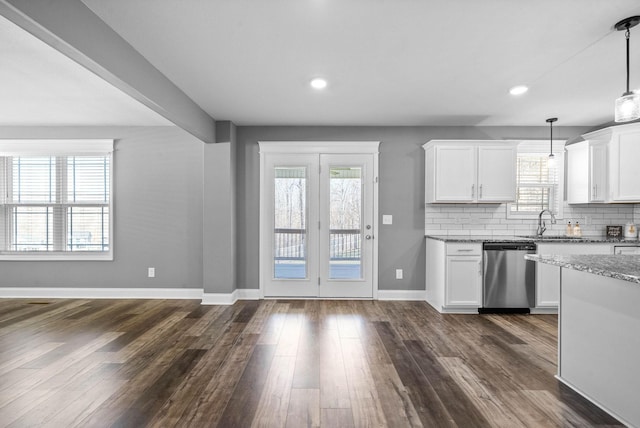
x,y
598,172
547,286
578,173
625,167
464,281
455,173
548,276
497,174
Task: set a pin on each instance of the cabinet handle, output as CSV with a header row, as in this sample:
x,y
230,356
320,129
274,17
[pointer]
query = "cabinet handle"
x,y
480,267
473,191
593,192
464,249
596,186
480,191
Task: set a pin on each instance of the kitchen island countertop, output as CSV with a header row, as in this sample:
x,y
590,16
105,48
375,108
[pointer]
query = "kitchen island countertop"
x,y
624,267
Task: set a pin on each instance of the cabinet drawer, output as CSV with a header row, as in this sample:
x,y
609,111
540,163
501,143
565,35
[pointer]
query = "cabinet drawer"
x,y
464,249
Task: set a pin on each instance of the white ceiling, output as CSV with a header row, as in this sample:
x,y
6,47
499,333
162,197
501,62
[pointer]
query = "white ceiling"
x,y
388,62
41,87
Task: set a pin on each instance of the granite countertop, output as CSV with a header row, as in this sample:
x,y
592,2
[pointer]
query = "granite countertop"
x,y
624,267
547,238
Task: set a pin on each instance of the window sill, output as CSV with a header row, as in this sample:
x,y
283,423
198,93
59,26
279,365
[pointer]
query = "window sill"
x,y
50,257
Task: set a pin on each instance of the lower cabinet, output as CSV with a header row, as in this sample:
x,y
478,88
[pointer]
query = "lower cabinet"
x,y
454,276
463,281
548,276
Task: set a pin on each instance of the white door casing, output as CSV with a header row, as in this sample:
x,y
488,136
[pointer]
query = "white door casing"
x,y
315,272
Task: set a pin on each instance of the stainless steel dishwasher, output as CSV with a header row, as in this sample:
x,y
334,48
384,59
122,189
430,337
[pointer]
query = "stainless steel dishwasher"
x,y
509,280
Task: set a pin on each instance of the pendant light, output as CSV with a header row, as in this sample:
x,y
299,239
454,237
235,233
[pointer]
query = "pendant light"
x,y
552,158
628,105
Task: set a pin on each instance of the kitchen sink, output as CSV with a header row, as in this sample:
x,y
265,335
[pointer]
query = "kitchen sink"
x,y
550,237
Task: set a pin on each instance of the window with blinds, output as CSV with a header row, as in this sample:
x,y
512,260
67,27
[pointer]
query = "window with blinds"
x,y
56,199
539,185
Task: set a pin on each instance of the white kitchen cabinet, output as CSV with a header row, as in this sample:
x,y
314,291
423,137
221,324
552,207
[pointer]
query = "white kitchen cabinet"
x,y
598,172
606,166
464,281
470,171
454,173
548,276
454,276
497,173
624,165
587,172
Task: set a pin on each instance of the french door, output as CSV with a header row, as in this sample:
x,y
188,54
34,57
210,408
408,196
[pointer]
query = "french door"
x,y
317,223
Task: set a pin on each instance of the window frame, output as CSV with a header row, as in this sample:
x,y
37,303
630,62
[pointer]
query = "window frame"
x,y
56,148
541,148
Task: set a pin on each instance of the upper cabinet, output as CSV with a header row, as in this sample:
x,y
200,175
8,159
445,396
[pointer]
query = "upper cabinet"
x,y
586,177
470,171
605,167
624,165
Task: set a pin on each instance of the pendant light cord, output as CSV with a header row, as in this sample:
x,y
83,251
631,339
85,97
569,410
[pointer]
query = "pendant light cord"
x,y
551,129
627,35
550,122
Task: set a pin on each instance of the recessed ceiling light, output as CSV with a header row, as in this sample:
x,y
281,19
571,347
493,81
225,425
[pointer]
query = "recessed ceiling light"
x,y
318,83
518,90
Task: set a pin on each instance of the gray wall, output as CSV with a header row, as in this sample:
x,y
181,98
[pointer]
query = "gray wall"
x,y
158,214
159,194
401,189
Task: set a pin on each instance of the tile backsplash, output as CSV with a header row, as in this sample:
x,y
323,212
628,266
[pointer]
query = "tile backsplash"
x,y
491,219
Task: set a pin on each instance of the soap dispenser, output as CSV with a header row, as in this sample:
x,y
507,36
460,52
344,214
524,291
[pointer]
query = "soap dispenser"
x,y
576,230
569,231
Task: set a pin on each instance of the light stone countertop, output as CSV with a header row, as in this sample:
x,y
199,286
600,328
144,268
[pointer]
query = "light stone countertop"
x,y
624,267
547,238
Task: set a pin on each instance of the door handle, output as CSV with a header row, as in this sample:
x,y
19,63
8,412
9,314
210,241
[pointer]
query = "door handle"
x,y
368,237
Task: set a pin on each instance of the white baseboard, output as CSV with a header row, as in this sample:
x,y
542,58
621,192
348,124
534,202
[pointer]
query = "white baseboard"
x,y
230,298
99,293
402,295
541,311
248,294
168,293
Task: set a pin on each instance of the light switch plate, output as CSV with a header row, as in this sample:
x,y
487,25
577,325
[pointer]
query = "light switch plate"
x,y
387,219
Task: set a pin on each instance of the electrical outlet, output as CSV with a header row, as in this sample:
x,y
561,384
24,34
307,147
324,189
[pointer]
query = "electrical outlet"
x,y
151,272
387,219
398,273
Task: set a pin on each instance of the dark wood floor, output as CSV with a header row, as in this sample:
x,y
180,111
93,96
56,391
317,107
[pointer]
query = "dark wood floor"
x,y
166,363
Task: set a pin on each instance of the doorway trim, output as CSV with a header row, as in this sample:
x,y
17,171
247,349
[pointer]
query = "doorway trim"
x,y
315,147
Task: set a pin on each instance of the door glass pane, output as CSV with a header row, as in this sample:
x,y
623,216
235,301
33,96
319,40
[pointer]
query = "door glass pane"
x,y
290,223
345,214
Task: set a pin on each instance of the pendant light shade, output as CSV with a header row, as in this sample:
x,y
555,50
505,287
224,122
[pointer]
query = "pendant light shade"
x,y
552,158
627,107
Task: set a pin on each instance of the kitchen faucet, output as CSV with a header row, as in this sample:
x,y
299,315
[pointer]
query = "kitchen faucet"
x,y
542,226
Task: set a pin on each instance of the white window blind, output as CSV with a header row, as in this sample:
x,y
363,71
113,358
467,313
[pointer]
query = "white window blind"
x,y
539,185
56,199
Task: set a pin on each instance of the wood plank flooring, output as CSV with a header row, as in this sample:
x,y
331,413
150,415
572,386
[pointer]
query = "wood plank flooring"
x,y
175,363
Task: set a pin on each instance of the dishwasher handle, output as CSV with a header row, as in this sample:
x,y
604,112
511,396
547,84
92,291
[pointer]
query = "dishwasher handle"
x,y
509,246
